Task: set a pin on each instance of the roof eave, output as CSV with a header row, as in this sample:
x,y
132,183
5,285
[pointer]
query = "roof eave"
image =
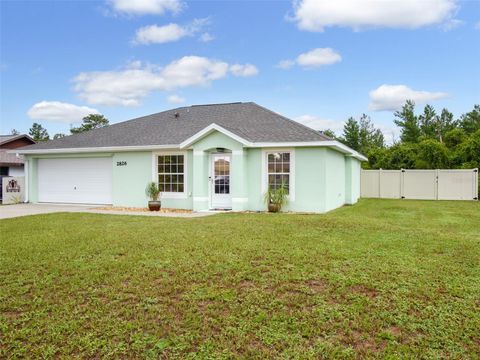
x,y
187,143
91,149
16,137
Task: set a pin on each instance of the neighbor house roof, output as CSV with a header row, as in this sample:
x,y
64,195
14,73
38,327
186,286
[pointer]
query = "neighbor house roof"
x,y
8,142
254,125
7,159
5,139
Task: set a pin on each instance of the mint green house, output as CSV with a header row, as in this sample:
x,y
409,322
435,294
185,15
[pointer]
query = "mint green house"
x,y
204,157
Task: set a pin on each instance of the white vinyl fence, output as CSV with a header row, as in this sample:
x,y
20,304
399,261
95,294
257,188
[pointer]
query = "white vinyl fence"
x,y
420,184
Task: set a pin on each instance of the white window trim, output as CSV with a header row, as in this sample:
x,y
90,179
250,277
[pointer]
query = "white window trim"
x,y
265,153
171,195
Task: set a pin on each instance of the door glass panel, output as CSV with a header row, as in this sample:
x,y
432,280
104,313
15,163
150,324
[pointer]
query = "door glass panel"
x,y
221,165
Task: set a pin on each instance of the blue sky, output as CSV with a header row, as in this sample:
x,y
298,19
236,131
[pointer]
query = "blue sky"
x,y
317,62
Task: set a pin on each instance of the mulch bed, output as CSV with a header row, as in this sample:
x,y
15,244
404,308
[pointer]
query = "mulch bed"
x,y
135,209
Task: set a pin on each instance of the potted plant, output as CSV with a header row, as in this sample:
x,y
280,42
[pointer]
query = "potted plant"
x,y
153,192
276,198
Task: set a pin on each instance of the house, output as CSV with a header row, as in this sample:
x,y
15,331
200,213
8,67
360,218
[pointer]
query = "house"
x,y
11,164
218,156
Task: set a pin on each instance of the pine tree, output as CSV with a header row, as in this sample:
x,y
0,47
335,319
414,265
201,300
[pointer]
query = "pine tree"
x,y
90,122
38,132
444,123
427,122
408,122
470,122
351,134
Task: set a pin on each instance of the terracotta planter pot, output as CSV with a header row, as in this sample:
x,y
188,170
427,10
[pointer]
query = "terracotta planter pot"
x,y
273,208
154,205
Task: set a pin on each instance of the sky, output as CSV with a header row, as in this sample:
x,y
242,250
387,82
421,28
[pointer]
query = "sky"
x,y
318,62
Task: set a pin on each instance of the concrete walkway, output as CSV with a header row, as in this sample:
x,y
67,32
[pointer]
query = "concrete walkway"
x,y
17,210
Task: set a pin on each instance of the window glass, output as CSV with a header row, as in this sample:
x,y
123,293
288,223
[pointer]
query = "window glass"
x,y
278,168
171,173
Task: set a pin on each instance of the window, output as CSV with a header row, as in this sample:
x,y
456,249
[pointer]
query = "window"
x,y
278,168
171,173
221,166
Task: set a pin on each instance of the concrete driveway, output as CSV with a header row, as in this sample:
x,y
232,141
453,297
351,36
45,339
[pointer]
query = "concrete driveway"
x,y
12,211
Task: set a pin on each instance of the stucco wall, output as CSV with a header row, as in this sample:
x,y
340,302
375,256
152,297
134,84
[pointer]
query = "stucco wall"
x,y
324,178
129,181
16,171
335,179
308,176
352,180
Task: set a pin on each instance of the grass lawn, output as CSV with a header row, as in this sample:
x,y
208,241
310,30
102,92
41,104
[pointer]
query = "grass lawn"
x,y
383,278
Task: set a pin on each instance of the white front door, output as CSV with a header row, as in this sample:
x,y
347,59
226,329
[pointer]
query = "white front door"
x,y
75,180
220,181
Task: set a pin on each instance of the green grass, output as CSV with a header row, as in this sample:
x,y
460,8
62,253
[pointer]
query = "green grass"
x,y
379,279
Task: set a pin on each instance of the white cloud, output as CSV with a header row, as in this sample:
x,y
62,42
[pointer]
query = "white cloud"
x,y
244,70
128,86
59,112
175,99
392,97
312,59
206,37
319,57
314,15
154,34
285,64
452,24
143,7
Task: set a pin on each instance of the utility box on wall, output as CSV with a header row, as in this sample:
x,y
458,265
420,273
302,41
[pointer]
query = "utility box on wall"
x,y
13,190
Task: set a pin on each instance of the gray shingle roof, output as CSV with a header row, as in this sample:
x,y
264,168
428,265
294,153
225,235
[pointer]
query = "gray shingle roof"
x,y
7,159
250,121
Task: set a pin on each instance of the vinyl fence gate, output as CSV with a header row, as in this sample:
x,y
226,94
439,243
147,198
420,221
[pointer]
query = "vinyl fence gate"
x,y
420,184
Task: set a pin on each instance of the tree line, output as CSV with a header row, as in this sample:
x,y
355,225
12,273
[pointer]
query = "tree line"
x,y
428,140
93,121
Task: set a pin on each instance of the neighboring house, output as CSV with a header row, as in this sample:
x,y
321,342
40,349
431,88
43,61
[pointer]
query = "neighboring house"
x,y
12,164
219,156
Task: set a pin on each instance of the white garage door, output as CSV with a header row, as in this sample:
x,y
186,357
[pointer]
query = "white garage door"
x,y
75,180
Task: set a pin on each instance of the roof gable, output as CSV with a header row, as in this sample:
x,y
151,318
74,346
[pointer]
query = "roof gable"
x,y
15,141
210,129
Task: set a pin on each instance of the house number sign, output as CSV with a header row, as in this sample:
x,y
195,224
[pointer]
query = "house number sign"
x,y
121,163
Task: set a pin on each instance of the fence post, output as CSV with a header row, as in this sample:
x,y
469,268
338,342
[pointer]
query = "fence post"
x,y
380,183
475,184
402,185
437,172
